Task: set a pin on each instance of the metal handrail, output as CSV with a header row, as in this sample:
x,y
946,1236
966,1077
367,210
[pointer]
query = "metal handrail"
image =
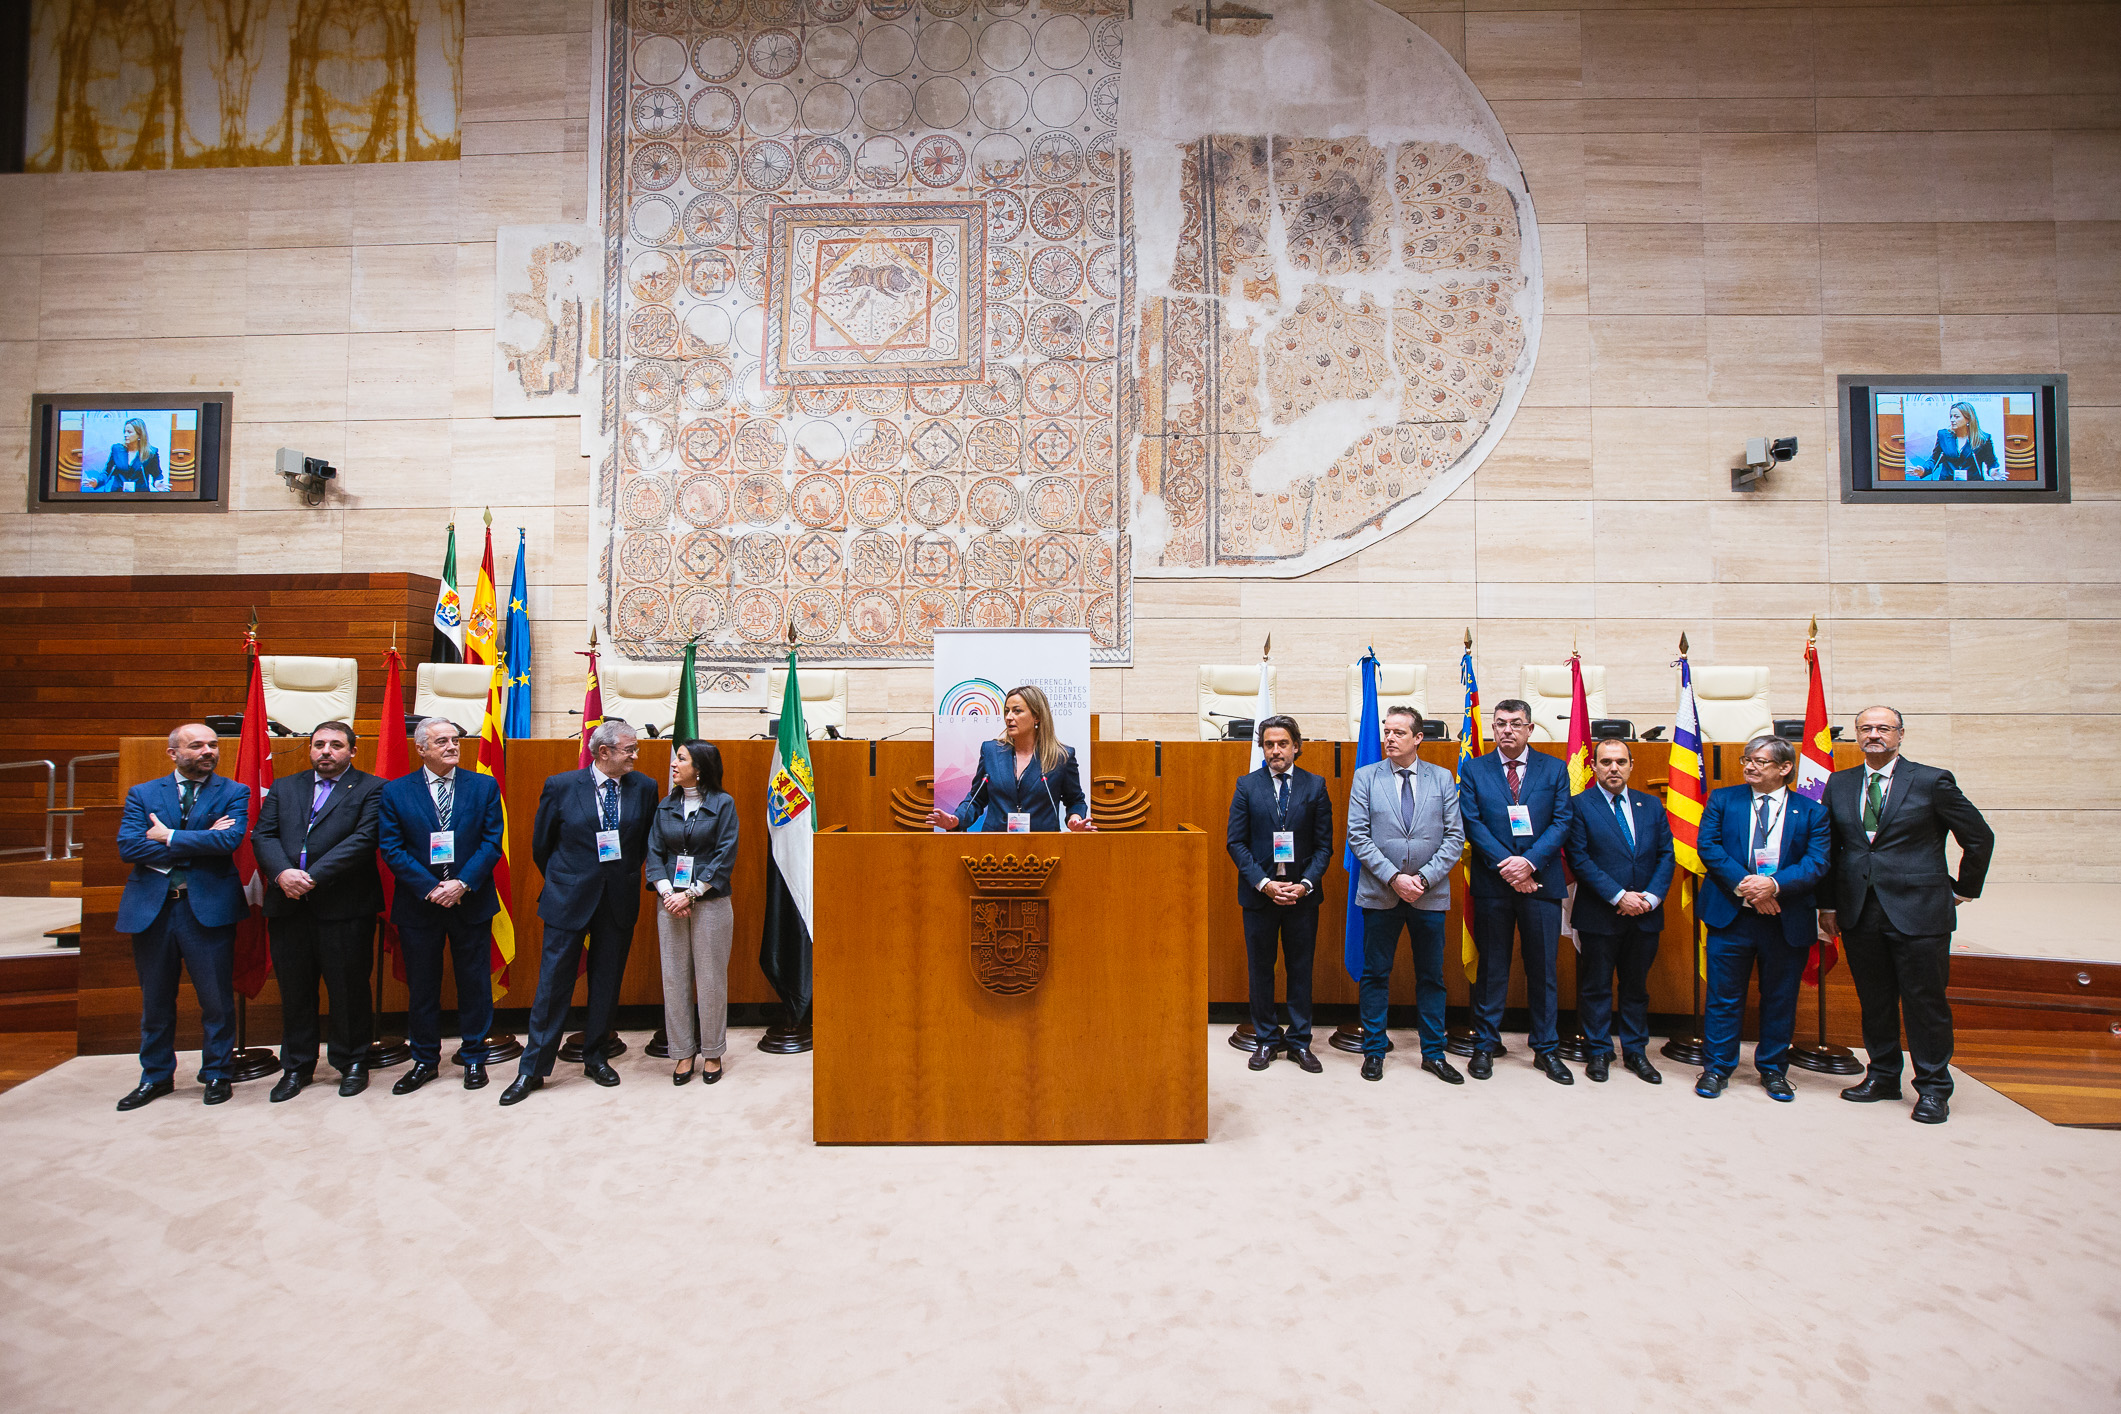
x,y
51,797
70,812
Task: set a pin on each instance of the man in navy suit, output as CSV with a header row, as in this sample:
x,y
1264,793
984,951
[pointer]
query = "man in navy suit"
x,y
181,904
1517,811
441,838
1281,839
1765,848
590,839
1620,846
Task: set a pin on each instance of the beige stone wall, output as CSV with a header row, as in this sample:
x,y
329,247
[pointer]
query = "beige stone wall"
x,y
1736,205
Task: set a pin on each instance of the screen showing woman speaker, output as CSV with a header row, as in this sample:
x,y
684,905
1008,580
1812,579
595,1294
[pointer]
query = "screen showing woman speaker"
x,y
140,452
1971,438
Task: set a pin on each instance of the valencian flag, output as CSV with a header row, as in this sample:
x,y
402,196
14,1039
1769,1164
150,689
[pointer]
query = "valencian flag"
x,y
493,764
482,625
449,610
1579,757
1684,793
592,705
515,652
393,759
1815,762
1470,745
791,822
254,774
1369,746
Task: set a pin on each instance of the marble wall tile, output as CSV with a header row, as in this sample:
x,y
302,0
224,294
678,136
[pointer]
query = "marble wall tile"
x,y
1649,360
90,213
1761,269
1996,267
1879,177
1907,664
2084,50
1999,341
509,191
404,203
1870,599
1562,376
1640,55
1525,55
2095,452
1858,50
1564,269
472,380
393,465
405,287
1756,53
1446,27
1871,542
1437,549
20,313
208,363
1757,361
526,135
1652,541
1769,542
1869,268
515,76
2087,168
1881,344
299,290
2008,543
1995,176
1994,49
501,462
1645,269
87,365
490,17
1760,177
65,545
23,197
2004,665
1533,540
2094,531
1574,603
1553,169
1648,177
89,297
204,208
399,376
303,206
1544,456
2094,662
2088,267
295,378
2091,356
1650,453
193,293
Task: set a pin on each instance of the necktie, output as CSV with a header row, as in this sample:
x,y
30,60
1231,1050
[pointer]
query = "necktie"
x,y
1873,802
1627,826
1760,826
1406,801
1281,799
609,809
180,874
1514,784
445,800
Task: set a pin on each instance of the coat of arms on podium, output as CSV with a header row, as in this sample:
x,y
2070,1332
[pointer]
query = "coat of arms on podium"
x,y
1010,935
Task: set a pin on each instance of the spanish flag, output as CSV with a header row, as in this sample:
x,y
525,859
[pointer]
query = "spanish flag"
x,y
482,624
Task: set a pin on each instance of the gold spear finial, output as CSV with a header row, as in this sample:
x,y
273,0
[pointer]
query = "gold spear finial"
x,y
1812,633
1682,643
592,638
489,517
1266,650
1469,638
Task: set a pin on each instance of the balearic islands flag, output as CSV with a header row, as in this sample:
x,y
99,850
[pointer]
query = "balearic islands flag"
x,y
791,822
1684,796
449,610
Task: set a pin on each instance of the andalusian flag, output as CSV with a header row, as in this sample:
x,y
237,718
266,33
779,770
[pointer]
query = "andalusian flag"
x,y
1685,795
449,610
482,625
1369,746
515,652
791,821
493,764
1470,745
1815,762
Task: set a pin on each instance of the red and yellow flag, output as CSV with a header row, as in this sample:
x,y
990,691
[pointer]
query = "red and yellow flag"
x,y
393,759
592,705
254,774
482,624
1815,762
493,764
1579,728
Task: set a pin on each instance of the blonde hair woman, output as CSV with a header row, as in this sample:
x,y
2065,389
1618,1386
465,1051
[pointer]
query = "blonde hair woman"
x,y
1027,780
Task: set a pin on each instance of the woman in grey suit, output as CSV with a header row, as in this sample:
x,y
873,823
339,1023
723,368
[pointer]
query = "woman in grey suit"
x,y
691,851
1406,834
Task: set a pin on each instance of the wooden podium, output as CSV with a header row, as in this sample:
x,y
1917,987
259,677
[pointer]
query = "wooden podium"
x,y
1053,993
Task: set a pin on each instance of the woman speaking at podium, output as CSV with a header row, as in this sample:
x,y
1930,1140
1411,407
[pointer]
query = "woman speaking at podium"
x,y
1026,781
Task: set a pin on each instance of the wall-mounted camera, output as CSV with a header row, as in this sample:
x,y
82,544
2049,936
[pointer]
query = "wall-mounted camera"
x,y
309,475
1761,456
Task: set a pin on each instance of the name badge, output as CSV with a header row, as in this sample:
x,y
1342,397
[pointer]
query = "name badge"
x,y
681,872
1520,820
607,846
1019,822
442,847
1285,846
1764,862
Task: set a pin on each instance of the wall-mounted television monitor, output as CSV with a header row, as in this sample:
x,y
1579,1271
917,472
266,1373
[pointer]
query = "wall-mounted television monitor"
x,y
1955,438
129,452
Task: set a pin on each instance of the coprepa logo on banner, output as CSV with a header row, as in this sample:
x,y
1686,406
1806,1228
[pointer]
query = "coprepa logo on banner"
x,y
974,670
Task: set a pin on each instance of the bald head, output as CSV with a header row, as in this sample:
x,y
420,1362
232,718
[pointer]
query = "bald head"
x,y
196,748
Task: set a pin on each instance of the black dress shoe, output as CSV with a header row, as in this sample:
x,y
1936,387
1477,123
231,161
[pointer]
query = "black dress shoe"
x,y
1709,1084
599,1070
355,1080
218,1092
1303,1058
1553,1067
1598,1066
709,1077
1931,1109
520,1086
1640,1064
474,1075
1481,1066
1777,1085
1443,1070
291,1083
1873,1088
1373,1067
413,1079
1262,1057
148,1090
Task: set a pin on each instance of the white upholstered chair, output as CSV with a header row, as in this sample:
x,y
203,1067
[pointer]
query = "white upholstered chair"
x,y
1398,685
642,695
1545,686
824,698
455,692
302,692
1227,691
1733,703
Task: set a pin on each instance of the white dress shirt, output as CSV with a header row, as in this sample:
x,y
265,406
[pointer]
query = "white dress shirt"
x,y
1630,832
1778,811
1885,792
1275,787
433,781
180,778
618,802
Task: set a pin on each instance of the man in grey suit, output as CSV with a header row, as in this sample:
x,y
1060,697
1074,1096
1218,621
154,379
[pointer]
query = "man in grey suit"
x,y
1405,830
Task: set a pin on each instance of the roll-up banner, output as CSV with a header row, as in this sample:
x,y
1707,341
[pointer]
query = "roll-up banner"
x,y
974,670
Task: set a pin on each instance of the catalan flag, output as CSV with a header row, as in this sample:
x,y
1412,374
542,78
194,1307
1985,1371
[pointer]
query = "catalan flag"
x,y
493,764
1470,745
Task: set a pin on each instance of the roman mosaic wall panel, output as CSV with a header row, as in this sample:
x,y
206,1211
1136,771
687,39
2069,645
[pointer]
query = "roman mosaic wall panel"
x,y
868,271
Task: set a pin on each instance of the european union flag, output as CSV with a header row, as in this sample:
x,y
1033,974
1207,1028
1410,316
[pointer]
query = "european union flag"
x,y
515,652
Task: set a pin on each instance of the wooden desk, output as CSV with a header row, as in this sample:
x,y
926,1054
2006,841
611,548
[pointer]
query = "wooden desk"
x,y
1105,1048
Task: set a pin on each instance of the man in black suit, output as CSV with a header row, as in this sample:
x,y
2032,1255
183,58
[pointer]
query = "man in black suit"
x,y
316,847
1281,838
1895,905
590,839
1620,846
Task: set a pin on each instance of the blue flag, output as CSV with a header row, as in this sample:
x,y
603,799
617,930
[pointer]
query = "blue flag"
x,y
1369,746
515,652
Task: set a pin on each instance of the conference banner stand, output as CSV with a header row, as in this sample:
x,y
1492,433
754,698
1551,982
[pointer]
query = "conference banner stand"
x,y
249,1062
383,1051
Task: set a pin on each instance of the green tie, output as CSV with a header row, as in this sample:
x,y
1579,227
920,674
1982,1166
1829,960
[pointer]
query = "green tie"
x,y
180,874
1873,803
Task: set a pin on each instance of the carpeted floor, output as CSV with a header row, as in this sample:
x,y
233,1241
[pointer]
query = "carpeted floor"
x,y
1337,1245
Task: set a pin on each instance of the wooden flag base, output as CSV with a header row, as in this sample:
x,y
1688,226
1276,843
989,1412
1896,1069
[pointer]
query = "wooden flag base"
x,y
1464,1041
571,1049
500,1046
1826,1060
787,1037
659,1044
387,1052
1573,1046
248,1062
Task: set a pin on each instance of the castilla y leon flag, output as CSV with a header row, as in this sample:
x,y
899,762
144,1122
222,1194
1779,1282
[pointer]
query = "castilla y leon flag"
x,y
791,822
393,759
1815,762
493,764
254,774
1470,745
